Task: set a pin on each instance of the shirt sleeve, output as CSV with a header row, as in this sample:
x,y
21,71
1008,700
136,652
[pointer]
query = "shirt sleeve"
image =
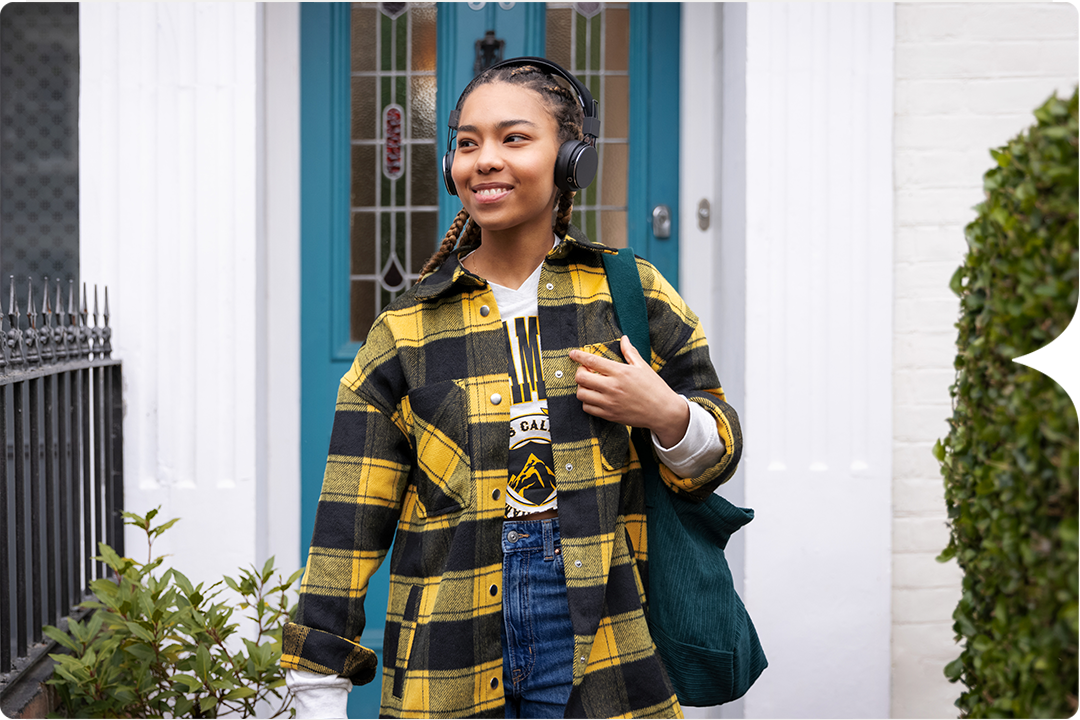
x,y
367,468
680,355
318,696
699,449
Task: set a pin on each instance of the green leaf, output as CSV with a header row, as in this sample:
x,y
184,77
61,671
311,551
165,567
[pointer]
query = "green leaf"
x,y
192,684
239,693
954,670
141,651
61,637
202,662
163,527
184,584
109,556
207,703
268,569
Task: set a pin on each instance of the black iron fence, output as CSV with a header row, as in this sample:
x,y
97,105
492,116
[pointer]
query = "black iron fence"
x,y
61,481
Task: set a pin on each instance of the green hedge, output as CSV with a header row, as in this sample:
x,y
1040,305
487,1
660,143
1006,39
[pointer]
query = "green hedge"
x,y
1010,459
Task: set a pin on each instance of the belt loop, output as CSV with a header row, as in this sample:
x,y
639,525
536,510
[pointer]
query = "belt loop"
x,y
549,540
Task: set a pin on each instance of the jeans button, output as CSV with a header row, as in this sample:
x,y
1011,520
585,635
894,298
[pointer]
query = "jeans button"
x,y
512,536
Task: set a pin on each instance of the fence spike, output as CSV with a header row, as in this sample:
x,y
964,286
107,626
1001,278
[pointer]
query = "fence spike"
x,y
31,310
59,346
96,342
45,349
15,337
31,334
84,327
4,355
13,307
106,331
71,332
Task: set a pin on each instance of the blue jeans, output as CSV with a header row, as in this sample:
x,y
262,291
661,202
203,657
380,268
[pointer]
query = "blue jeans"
x,y
538,640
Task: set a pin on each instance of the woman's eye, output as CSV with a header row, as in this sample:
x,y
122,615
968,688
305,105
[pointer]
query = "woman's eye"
x,y
515,138
465,142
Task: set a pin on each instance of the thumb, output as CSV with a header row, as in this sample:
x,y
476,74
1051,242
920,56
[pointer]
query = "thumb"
x,y
630,353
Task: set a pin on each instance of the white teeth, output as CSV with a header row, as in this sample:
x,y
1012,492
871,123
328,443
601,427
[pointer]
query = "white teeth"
x,y
490,192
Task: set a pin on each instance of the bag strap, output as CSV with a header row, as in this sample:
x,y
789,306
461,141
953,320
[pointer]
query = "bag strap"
x,y
628,301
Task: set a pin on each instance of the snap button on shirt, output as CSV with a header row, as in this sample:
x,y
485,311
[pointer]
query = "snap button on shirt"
x,y
494,590
550,286
496,398
484,311
494,683
495,494
558,373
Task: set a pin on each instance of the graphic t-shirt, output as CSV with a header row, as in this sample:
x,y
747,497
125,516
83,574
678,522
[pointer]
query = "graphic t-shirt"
x,y
531,487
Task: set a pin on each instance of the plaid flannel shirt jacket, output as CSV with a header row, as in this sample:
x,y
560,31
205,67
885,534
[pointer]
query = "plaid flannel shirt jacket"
x,y
420,448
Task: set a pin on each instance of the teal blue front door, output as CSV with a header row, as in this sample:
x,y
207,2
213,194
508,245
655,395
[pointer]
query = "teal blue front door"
x,y
378,81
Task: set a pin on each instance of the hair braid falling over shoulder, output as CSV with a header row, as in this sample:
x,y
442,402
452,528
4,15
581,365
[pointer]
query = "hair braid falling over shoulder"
x,y
562,217
568,115
449,241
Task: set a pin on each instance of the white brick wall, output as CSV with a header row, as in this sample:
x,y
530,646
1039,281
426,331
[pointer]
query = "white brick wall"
x,y
967,78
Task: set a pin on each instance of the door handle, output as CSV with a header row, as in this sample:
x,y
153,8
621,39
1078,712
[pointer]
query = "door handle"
x,y
661,222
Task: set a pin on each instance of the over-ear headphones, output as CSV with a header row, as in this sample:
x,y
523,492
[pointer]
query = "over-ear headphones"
x,y
576,163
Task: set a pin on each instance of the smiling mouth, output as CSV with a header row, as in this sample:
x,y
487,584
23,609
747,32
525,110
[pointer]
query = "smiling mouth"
x,y
490,194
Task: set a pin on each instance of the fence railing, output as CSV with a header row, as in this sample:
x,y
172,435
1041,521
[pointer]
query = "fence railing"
x,y
61,481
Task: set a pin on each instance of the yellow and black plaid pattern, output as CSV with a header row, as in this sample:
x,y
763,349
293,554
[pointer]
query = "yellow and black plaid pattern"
x,y
418,460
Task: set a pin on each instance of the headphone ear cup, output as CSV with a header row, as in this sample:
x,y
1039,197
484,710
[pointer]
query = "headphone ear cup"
x,y
575,165
447,176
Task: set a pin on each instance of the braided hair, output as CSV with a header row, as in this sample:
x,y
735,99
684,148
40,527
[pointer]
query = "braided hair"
x,y
568,119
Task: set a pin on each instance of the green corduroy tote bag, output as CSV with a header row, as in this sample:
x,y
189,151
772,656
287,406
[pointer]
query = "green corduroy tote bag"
x,y
699,624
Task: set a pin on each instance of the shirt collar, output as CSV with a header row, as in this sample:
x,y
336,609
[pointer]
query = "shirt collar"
x,y
453,275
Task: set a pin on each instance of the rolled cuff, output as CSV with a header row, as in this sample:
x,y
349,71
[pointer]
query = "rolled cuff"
x,y
699,449
305,648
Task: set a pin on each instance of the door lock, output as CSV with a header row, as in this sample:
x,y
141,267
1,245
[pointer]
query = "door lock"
x,y
704,214
661,222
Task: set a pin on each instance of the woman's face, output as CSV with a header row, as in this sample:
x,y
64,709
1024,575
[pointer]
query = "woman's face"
x,y
504,162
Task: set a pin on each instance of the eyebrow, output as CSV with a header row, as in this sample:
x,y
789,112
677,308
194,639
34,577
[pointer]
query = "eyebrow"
x,y
502,125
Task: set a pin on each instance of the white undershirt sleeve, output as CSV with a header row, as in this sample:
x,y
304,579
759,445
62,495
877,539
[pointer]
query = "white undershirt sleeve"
x,y
318,696
699,448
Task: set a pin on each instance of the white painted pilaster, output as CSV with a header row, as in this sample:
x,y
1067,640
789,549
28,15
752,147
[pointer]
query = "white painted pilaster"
x,y
818,268
167,204
278,292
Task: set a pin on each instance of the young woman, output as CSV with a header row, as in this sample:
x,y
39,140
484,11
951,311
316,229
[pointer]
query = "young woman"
x,y
482,431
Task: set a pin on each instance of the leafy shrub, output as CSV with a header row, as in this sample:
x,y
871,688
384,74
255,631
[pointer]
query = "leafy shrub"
x,y
156,644
1010,458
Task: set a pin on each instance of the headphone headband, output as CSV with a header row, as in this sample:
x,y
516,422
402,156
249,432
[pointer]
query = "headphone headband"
x,y
590,125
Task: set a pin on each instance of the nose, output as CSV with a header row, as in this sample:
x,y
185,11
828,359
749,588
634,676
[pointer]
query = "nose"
x,y
489,158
